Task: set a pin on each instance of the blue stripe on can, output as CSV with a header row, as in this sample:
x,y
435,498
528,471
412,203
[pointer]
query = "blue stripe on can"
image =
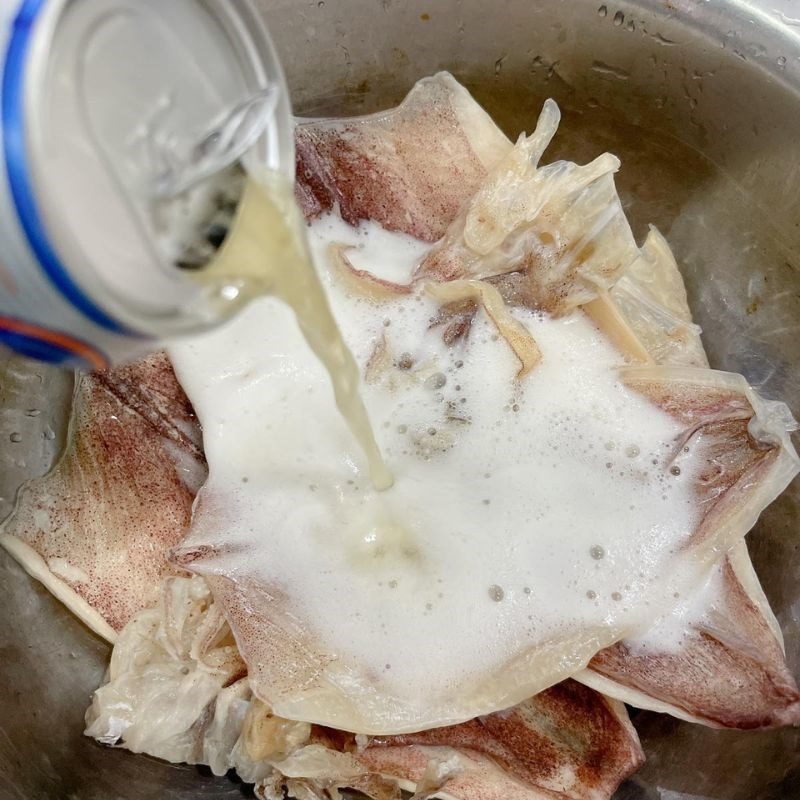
x,y
41,350
16,157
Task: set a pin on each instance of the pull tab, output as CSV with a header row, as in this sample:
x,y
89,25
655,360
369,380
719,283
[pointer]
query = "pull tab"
x,y
183,165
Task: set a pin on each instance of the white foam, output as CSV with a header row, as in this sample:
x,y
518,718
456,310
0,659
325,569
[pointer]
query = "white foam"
x,y
520,511
694,610
389,256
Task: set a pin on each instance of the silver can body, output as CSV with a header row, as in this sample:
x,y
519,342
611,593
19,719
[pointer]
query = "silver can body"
x,y
98,99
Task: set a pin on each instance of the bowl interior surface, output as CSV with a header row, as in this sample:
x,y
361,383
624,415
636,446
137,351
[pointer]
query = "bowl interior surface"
x,y
701,101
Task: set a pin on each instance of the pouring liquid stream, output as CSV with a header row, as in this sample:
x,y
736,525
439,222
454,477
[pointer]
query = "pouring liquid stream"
x,y
265,252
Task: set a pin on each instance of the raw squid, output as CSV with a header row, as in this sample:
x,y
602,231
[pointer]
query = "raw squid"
x,y
97,529
178,686
724,634
548,237
536,243
649,299
688,663
177,691
734,639
408,169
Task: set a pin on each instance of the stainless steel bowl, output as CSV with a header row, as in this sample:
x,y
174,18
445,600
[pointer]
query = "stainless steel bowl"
x,y
701,100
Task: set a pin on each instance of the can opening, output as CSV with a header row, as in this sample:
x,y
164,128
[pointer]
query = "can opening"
x,y
143,117
198,184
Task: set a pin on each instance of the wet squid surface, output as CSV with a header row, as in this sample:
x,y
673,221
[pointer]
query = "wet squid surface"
x,y
461,269
99,527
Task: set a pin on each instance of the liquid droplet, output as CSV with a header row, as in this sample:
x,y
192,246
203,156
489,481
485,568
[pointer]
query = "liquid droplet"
x,y
602,12
619,18
436,381
597,552
496,593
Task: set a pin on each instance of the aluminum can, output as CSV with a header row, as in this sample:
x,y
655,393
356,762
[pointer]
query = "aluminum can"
x,y
98,98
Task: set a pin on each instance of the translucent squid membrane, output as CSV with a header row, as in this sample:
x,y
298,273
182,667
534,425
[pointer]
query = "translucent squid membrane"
x,y
177,691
